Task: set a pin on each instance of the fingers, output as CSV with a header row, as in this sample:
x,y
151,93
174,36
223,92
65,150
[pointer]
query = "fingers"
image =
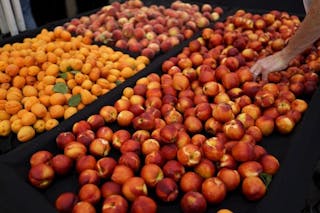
x,y
256,71
265,76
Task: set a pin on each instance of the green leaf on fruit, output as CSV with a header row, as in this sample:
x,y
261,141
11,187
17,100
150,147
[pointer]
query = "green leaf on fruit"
x,y
60,87
74,100
69,68
266,178
118,82
63,75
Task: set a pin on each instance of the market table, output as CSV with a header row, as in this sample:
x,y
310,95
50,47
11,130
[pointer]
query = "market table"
x,y
297,152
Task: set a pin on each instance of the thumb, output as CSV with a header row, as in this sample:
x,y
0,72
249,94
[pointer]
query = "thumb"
x,y
265,76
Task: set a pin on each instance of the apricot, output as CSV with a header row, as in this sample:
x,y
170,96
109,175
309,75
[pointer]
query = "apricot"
x,y
4,115
5,128
12,70
28,119
69,111
14,95
16,125
39,126
25,133
57,99
12,107
56,111
51,123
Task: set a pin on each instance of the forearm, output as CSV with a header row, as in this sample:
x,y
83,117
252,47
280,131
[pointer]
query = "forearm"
x,y
307,34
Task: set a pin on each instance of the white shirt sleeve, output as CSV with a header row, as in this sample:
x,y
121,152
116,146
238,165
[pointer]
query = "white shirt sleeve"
x,y
306,4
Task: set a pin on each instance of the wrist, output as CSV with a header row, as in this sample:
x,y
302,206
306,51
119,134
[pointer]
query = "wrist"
x,y
286,55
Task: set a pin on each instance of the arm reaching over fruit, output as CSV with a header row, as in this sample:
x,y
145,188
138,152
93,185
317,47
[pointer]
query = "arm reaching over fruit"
x,y
308,32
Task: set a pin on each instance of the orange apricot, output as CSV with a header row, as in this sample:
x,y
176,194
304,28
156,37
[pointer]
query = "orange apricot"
x,y
12,107
12,70
56,111
51,123
39,110
28,119
25,133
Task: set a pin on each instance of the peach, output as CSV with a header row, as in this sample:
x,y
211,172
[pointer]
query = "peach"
x,y
270,164
96,121
213,148
42,156
295,115
134,187
271,112
255,132
63,138
149,145
144,121
85,137
250,168
253,188
169,133
264,98
154,158
41,175
193,202
110,188
143,204
115,204
167,190
131,160
205,168
99,147
299,105
121,173
109,113
189,155
119,137
80,126
89,176
83,206
105,133
227,161
152,174
173,169
85,162
243,151
61,164
230,80
90,193
169,151
284,124
66,201
253,110
214,190
245,119
75,150
222,112
265,124
234,129
105,166
230,177
190,181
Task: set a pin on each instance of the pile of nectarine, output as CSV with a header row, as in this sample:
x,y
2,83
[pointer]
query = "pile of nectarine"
x,y
192,131
144,29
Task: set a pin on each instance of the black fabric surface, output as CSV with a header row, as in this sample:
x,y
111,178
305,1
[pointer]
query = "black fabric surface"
x,y
292,187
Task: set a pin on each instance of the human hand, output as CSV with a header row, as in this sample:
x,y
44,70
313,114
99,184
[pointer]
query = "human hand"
x,y
272,63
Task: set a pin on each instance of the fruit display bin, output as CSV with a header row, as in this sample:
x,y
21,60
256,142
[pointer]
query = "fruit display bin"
x,y
296,152
10,142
